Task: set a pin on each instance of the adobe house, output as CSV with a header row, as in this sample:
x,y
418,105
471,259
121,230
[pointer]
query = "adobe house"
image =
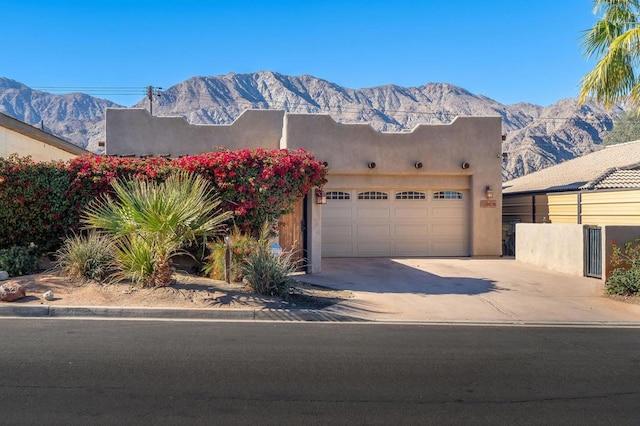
x,y
431,191
18,137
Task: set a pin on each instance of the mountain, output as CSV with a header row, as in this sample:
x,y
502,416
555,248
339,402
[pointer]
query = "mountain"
x,y
76,117
536,137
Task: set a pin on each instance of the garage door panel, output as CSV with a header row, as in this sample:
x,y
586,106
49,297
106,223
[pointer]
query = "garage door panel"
x,y
420,223
374,248
411,231
449,212
410,248
374,213
373,232
338,233
411,213
339,213
338,249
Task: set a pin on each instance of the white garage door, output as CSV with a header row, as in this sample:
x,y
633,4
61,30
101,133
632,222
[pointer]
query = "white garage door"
x,y
395,223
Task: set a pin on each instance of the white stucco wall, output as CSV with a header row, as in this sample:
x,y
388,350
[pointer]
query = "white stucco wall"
x,y
556,247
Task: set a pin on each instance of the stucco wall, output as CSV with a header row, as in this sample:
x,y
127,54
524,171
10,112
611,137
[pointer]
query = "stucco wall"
x,y
348,148
135,132
557,247
16,143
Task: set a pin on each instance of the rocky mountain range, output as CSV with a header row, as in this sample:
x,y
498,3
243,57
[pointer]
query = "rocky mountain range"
x,y
535,137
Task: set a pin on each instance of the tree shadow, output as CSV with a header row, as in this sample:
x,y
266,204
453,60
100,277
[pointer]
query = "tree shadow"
x,y
384,275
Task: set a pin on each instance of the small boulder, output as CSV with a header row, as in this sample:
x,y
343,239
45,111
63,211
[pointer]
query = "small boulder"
x,y
48,295
4,275
10,292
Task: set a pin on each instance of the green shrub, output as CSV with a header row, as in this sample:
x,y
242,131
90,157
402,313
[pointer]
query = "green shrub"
x,y
270,274
624,282
19,260
86,257
625,279
243,246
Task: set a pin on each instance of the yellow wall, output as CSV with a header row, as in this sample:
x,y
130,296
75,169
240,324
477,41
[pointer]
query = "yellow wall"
x,y
16,143
611,208
563,208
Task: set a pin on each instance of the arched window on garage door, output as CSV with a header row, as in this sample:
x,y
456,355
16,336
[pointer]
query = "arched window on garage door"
x,y
411,195
338,195
373,195
447,195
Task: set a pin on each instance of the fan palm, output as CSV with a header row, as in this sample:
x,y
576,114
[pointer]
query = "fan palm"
x,y
151,222
615,40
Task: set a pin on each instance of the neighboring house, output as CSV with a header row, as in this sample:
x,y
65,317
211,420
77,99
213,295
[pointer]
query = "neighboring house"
x,y
598,188
17,137
432,191
588,201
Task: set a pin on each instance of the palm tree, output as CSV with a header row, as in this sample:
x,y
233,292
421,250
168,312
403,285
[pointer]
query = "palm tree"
x,y
151,222
615,40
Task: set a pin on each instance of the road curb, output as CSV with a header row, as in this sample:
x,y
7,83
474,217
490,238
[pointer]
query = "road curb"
x,y
171,313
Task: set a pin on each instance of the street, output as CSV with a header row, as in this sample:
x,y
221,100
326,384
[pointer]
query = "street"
x,y
165,372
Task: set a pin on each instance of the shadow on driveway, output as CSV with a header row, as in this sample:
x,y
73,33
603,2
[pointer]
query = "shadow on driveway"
x,y
381,275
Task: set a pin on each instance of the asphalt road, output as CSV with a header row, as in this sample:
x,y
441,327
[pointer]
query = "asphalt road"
x,y
143,372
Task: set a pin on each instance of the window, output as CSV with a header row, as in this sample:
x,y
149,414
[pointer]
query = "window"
x,y
411,195
373,195
447,195
338,195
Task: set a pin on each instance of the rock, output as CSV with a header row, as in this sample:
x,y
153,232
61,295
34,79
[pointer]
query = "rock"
x,y
48,295
11,291
4,275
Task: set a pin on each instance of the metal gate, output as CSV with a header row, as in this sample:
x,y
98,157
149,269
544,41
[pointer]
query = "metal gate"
x,y
593,251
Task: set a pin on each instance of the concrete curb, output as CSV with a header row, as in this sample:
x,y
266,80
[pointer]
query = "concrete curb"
x,y
171,313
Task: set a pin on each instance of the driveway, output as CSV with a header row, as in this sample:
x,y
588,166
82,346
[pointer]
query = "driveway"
x,y
499,290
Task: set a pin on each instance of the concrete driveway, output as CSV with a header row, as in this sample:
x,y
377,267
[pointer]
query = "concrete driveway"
x,y
498,290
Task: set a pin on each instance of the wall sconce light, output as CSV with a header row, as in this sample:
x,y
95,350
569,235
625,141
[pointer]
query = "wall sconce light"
x,y
488,192
417,165
371,165
464,165
326,164
321,196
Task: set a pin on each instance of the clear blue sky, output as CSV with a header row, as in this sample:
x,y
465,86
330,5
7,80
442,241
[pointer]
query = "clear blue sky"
x,y
508,50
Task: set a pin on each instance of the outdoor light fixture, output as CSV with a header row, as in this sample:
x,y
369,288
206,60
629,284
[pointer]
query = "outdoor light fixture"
x,y
326,164
488,192
321,196
464,165
227,257
371,165
417,165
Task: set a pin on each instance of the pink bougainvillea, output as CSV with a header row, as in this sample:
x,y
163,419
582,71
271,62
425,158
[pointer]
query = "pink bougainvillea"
x,y
42,202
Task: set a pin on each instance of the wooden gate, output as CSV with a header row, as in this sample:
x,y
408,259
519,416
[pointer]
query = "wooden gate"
x,y
291,232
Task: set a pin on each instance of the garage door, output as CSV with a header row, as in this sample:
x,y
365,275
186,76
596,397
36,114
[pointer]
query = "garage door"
x,y
395,223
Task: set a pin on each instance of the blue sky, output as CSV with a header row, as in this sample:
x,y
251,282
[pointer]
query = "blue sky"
x,y
509,50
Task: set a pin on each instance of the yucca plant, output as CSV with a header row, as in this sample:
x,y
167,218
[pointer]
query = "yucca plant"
x,y
151,222
86,257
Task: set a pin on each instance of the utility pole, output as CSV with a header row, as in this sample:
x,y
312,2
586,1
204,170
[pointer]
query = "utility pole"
x,y
151,92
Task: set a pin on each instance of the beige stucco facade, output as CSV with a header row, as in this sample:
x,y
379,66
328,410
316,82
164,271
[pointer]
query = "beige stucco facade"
x,y
348,149
17,137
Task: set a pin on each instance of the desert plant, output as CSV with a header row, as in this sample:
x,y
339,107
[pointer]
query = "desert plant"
x,y
19,260
266,272
243,246
625,279
151,222
270,274
86,256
